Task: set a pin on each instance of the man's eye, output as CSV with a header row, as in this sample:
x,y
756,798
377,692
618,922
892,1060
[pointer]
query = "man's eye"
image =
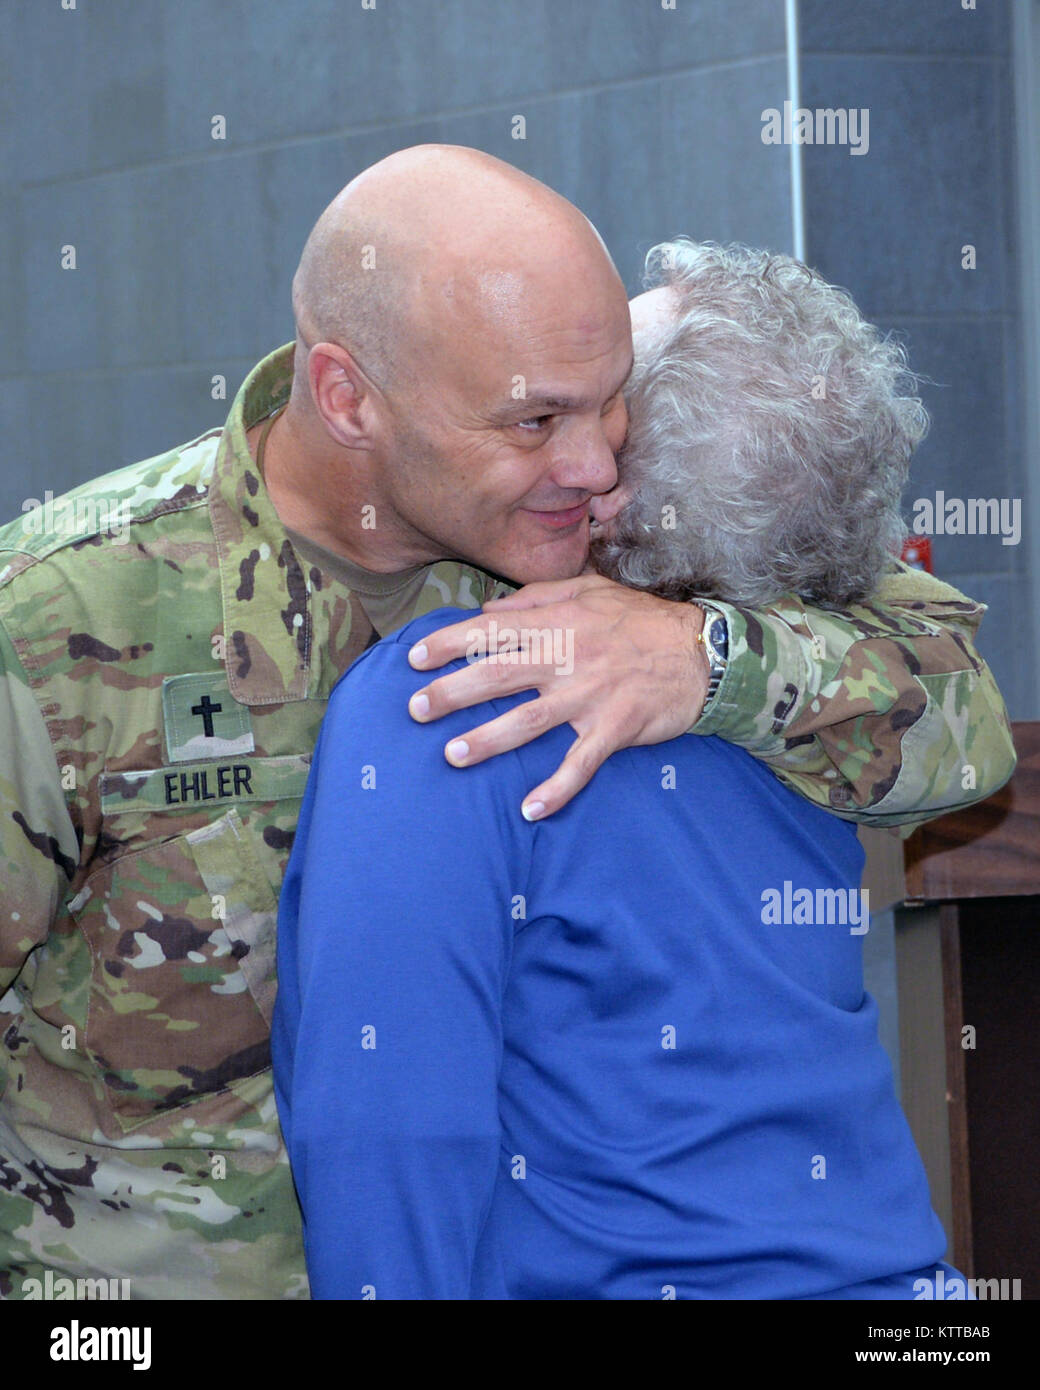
x,y
538,422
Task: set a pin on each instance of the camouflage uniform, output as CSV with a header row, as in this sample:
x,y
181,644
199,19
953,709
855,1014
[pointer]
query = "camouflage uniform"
x,y
884,711
162,689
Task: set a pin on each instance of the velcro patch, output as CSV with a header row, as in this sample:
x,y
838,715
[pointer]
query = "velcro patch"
x,y
202,719
190,786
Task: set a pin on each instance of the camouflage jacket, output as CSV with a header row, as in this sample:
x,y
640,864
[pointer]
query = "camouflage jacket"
x,y
165,661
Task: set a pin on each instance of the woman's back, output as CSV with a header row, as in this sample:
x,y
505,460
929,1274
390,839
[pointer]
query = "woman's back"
x,y
692,1085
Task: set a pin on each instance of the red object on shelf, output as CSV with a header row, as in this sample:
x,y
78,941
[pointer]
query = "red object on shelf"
x,y
917,553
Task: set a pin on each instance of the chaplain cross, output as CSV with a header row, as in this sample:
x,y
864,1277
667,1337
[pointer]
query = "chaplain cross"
x,y
207,710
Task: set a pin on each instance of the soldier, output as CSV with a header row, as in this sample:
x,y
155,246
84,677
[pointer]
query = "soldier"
x,y
452,401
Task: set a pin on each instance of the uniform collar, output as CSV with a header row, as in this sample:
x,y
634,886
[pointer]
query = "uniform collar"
x,y
279,613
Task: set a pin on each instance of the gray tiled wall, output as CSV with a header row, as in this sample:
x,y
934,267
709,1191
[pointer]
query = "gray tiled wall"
x,y
648,118
889,225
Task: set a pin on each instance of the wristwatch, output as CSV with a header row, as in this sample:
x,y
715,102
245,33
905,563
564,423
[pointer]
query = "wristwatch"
x,y
714,637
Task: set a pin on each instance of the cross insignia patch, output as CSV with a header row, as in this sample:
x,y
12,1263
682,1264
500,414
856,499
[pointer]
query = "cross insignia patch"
x,y
202,719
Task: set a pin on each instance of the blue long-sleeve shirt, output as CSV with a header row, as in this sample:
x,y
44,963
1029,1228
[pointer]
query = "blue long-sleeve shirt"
x,y
580,1058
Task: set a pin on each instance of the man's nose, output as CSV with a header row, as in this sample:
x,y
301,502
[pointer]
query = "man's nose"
x,y
587,461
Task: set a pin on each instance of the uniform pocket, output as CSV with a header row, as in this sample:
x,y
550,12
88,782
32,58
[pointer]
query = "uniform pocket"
x,y
243,898
175,1012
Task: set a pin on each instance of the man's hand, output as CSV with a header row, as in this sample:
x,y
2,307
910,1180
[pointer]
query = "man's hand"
x,y
622,667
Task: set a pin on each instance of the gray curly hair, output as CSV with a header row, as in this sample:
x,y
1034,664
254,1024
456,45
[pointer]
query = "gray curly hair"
x,y
770,436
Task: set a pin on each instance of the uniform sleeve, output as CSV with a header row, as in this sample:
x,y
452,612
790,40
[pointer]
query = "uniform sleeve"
x,y
883,713
38,844
394,938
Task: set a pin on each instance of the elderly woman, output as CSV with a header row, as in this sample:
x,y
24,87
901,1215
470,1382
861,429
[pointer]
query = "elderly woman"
x,y
624,1053
770,435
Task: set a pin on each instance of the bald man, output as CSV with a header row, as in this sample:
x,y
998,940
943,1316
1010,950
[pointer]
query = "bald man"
x,y
452,403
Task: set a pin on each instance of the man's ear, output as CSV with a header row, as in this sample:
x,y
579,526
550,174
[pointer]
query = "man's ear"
x,y
343,396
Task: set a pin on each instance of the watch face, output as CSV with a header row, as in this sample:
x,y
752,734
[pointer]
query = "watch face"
x,y
718,635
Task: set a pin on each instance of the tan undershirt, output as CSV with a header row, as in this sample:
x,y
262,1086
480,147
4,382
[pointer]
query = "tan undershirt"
x,y
388,600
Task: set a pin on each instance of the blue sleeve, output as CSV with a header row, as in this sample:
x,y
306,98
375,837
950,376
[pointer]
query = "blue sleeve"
x,y
394,941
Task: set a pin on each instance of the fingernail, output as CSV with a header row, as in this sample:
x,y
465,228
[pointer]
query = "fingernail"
x,y
533,810
419,706
457,751
418,654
